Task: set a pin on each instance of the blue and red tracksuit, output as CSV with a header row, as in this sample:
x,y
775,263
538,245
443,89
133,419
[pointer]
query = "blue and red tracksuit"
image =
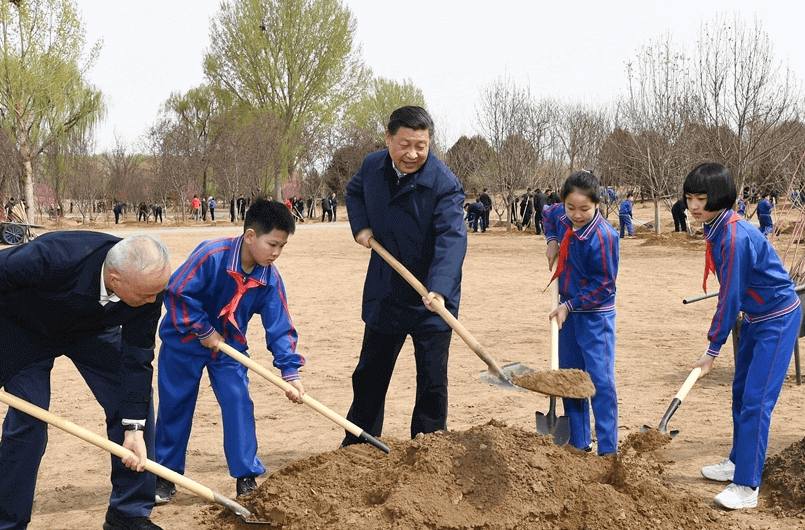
x,y
587,338
625,218
753,280
202,297
764,216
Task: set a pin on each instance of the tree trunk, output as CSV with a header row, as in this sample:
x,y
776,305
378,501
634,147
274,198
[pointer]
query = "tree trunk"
x,y
656,215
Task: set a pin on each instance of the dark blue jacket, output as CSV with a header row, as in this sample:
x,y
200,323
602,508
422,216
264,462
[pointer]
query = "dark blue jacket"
x,y
50,289
422,226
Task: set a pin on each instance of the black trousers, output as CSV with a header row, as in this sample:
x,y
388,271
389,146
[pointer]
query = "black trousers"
x,y
370,382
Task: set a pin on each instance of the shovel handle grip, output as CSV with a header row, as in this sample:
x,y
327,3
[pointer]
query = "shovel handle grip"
x,y
306,399
120,451
554,324
448,317
686,386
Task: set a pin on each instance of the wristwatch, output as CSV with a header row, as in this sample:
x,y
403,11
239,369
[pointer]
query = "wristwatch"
x,y
133,425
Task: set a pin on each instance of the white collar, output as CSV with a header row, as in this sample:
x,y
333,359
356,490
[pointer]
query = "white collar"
x,y
105,296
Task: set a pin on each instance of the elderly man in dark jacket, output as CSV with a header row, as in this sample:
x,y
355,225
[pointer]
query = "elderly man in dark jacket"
x,y
95,299
411,203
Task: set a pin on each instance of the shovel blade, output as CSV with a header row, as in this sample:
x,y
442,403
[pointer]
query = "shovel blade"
x,y
550,425
511,370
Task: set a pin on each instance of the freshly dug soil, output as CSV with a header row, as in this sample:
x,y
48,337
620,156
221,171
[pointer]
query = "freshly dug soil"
x,y
784,480
571,383
492,476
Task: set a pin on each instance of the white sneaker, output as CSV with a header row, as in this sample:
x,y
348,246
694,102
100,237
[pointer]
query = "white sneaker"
x,y
722,472
735,497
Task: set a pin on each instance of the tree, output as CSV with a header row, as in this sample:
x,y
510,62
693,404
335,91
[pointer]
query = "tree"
x,y
43,92
371,113
294,59
469,160
742,97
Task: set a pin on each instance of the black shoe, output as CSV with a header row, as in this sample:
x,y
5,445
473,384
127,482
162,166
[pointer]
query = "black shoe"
x,y
245,485
116,521
165,490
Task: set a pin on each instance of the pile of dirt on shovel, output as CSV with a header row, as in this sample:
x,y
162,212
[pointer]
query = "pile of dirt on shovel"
x,y
490,477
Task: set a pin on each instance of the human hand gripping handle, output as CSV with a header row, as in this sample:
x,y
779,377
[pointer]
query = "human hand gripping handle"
x,y
305,398
436,302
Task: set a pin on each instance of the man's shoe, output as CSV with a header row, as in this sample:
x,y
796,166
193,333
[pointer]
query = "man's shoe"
x,y
245,485
116,521
722,472
165,491
735,497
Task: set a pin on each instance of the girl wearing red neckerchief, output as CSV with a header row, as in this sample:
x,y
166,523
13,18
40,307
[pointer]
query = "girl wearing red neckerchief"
x,y
753,280
586,269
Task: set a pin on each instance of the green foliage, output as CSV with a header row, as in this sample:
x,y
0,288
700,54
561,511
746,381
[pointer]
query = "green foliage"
x,y
292,58
371,113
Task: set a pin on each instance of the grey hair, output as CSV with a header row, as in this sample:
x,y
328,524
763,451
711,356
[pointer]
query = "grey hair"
x,y
138,253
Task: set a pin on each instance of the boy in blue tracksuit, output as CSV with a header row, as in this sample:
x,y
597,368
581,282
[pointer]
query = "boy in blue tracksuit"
x,y
625,217
211,299
753,280
586,269
764,214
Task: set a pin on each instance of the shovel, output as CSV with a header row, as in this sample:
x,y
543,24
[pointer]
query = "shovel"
x,y
496,376
306,399
680,396
550,425
122,452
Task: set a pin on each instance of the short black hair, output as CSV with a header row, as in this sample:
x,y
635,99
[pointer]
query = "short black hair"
x,y
264,216
584,182
412,117
713,180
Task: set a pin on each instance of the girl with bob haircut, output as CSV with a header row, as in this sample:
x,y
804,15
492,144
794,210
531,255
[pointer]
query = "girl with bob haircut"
x,y
586,269
753,280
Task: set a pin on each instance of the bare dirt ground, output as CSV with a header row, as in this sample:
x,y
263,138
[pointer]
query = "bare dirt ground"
x,y
491,470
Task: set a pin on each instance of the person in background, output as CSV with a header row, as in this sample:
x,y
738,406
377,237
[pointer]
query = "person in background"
x,y
625,217
678,213
764,208
195,206
212,208
486,200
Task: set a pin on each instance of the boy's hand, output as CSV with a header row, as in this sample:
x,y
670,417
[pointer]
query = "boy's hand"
x,y
296,394
212,341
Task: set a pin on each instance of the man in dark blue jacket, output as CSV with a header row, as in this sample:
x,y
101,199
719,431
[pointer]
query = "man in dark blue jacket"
x,y
96,299
411,203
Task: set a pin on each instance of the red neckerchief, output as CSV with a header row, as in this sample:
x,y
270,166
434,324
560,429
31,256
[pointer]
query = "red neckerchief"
x,y
709,264
244,284
564,247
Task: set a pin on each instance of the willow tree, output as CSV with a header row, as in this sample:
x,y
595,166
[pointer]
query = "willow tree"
x,y
43,91
294,59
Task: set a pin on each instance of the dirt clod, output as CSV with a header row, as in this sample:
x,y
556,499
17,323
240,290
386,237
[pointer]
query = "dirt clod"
x,y
570,383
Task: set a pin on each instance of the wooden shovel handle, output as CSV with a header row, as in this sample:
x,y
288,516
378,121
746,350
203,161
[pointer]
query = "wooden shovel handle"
x,y
440,308
306,399
554,323
686,386
122,452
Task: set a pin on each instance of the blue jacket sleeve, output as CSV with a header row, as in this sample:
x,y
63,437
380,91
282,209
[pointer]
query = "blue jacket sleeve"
x,y
450,240
182,302
550,221
356,205
281,336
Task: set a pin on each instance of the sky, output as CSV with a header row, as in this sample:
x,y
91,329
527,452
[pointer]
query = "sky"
x,y
450,49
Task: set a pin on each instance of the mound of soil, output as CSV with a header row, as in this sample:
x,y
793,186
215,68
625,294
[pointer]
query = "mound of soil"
x,y
489,477
783,483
